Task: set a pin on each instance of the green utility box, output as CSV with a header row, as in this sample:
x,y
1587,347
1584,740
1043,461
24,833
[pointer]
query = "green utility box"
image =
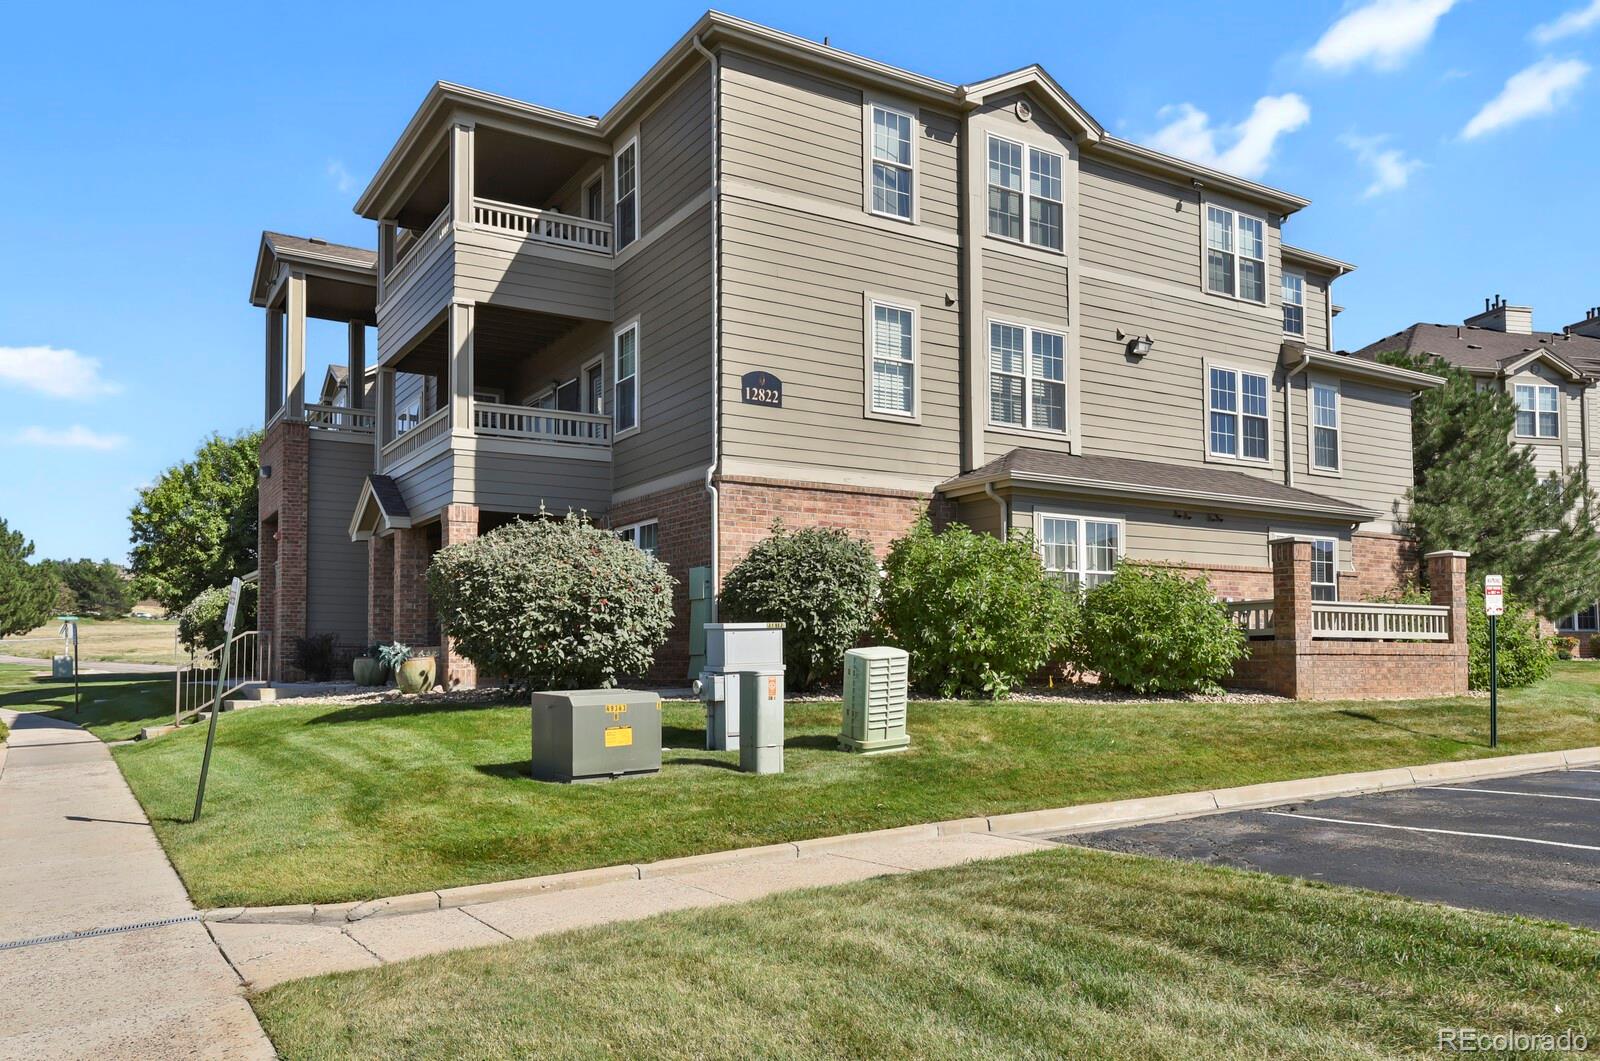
x,y
595,734
875,700
760,720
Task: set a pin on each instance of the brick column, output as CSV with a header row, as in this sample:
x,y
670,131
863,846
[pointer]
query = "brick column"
x,y
459,523
410,626
267,591
292,469
1447,581
1291,616
380,589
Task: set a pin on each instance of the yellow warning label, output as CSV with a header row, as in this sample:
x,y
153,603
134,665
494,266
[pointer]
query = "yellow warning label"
x,y
619,736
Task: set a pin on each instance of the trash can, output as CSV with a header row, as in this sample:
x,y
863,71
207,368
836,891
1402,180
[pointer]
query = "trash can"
x,y
761,721
595,735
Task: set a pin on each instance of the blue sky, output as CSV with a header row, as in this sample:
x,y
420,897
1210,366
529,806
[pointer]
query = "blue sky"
x,y
1450,150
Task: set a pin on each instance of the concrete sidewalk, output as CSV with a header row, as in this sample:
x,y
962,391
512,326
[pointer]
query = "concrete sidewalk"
x,y
80,856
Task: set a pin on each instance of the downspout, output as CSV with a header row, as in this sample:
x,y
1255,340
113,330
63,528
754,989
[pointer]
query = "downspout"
x,y
1005,511
1288,419
716,316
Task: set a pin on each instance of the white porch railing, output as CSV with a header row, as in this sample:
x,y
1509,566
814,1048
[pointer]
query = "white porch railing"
x,y
1252,616
1381,622
195,680
406,258
339,418
550,425
546,226
414,438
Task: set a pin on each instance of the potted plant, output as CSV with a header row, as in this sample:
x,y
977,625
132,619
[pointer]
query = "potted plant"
x,y
411,674
368,668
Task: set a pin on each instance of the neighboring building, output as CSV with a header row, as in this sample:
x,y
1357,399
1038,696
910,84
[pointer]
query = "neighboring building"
x,y
779,280
1551,376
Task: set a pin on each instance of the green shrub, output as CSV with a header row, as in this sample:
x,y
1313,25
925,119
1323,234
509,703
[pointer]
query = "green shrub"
x,y
316,656
978,615
820,583
1566,647
1153,630
200,622
1525,657
553,604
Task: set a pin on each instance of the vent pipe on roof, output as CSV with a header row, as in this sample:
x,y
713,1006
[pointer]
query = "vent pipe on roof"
x,y
1500,316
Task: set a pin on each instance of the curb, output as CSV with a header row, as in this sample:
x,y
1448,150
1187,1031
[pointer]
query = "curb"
x,y
1082,818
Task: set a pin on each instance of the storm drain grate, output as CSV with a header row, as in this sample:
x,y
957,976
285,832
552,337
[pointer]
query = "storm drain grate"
x,y
90,933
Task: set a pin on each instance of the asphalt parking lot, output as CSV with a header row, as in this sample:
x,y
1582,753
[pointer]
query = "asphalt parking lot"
x,y
1519,845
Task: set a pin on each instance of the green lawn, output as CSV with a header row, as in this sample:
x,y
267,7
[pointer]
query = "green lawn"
x,y
324,804
1067,953
113,708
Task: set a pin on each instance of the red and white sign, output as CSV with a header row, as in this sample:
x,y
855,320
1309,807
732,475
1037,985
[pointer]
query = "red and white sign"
x,y
1494,595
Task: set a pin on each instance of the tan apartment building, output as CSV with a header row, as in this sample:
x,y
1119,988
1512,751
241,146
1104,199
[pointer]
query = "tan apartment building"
x,y
777,279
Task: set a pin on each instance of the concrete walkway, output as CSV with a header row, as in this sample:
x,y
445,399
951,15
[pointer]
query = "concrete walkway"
x,y
77,854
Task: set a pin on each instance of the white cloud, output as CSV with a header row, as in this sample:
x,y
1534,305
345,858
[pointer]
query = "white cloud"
x,y
1571,23
75,437
57,373
1391,169
1191,135
342,178
1539,89
1383,34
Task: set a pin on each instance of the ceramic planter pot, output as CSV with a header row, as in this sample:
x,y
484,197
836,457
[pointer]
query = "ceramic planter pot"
x,y
416,675
369,671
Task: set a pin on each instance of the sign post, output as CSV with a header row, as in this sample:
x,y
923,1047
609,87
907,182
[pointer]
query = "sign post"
x,y
69,631
216,701
1494,603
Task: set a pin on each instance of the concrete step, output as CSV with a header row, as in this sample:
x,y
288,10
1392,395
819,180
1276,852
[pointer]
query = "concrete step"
x,y
258,691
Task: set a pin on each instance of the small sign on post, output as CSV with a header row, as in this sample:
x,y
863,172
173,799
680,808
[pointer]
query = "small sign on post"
x,y
1494,605
222,683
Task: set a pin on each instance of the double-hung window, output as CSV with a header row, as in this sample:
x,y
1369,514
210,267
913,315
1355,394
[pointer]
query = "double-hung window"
x,y
626,211
893,162
1031,210
1236,254
1537,411
1325,427
1584,620
891,359
647,536
1082,551
1324,569
1237,403
625,370
1293,288
1027,378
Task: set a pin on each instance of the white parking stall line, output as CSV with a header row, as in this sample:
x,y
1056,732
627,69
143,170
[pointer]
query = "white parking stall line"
x,y
1509,792
1440,832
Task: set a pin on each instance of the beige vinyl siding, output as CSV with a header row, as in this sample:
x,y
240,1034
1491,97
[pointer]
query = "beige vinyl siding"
x,y
562,360
508,272
793,304
1158,534
410,310
1317,311
1138,224
667,287
675,149
1030,288
336,567
1374,448
1548,453
427,488
937,169
522,482
1155,408
795,132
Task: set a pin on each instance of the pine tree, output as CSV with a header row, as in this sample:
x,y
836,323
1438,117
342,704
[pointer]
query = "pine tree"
x,y
1475,489
27,591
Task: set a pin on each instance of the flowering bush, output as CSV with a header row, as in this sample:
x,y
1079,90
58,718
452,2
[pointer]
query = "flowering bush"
x,y
200,623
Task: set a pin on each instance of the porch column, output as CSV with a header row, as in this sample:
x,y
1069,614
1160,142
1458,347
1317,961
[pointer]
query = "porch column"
x,y
460,383
462,176
383,409
1291,589
410,591
386,234
1447,582
380,589
274,363
458,524
295,376
356,351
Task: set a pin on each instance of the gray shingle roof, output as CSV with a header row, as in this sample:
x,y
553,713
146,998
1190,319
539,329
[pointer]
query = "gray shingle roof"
x,y
1483,349
282,243
387,494
1161,481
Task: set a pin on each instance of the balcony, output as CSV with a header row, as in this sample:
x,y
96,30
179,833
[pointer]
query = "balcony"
x,y
542,226
591,430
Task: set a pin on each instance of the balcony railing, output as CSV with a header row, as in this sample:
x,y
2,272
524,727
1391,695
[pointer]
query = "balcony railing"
x,y
547,425
545,226
1338,620
414,438
407,257
339,418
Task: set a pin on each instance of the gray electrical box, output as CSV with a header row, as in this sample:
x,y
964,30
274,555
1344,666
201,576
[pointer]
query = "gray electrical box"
x,y
760,721
875,700
733,649
595,734
60,666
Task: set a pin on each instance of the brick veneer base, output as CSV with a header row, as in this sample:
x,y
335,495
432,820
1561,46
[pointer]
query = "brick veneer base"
x,y
284,509
1353,670
1384,564
683,541
748,506
458,523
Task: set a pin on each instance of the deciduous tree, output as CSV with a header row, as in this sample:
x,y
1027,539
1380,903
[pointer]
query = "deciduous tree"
x,y
195,529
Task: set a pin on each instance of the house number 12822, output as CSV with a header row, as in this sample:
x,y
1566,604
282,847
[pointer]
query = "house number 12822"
x,y
761,388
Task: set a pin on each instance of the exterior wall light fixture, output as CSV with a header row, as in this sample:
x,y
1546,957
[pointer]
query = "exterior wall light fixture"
x,y
1137,345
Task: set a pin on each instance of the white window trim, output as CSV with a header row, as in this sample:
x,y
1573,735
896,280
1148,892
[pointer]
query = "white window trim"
x,y
634,529
493,395
638,378
1541,386
1311,427
1028,330
1238,415
907,111
901,302
583,380
1027,194
1568,624
1304,284
637,193
1266,252
599,177
1040,515
1335,543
